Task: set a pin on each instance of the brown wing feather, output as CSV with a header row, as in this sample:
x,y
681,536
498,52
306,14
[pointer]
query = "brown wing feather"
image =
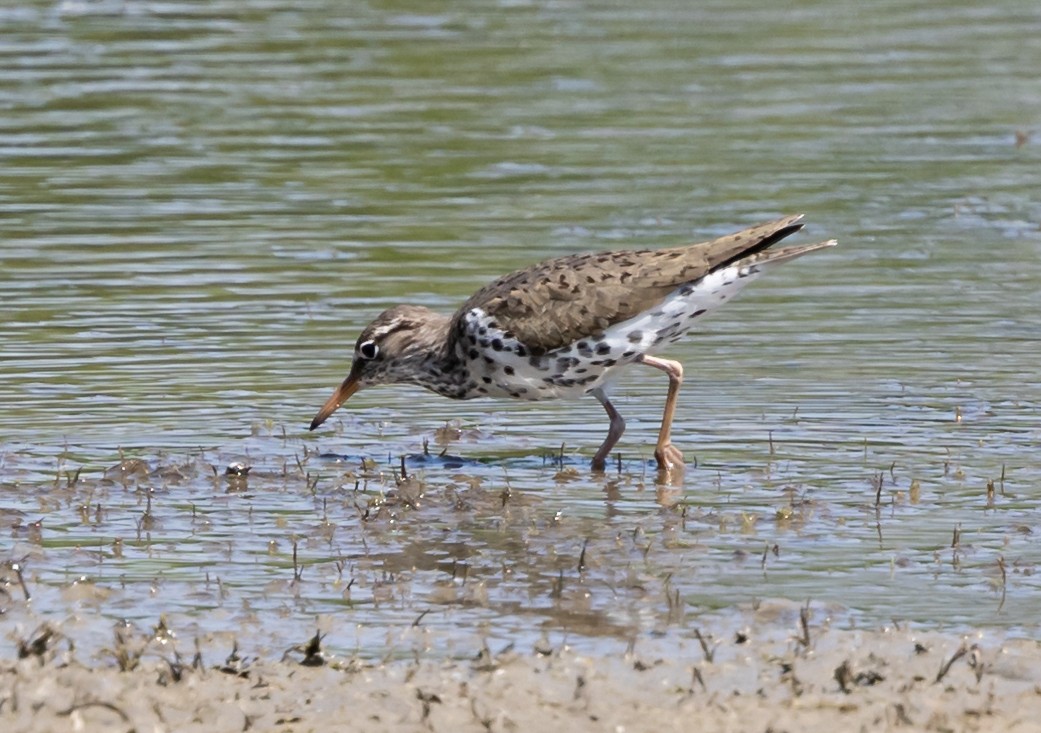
x,y
558,301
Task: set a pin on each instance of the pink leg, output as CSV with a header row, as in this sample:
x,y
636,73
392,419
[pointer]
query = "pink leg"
x,y
667,455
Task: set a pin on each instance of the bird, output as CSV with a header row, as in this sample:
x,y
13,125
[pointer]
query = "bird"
x,y
566,327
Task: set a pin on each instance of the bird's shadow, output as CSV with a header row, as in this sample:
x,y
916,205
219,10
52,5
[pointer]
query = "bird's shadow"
x,y
529,462
412,460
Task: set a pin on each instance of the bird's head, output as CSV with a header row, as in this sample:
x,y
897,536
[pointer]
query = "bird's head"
x,y
391,349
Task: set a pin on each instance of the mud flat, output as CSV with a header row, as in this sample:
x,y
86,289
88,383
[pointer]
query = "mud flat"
x,y
768,677
170,595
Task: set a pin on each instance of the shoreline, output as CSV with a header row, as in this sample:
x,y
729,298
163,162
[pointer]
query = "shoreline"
x,y
777,678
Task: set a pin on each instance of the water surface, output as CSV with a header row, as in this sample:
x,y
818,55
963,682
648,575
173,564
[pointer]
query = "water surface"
x,y
201,205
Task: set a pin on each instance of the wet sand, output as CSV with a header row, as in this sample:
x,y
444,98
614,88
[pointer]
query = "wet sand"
x,y
770,677
478,609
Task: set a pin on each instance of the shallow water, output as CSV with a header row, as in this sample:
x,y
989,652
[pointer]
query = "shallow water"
x,y
202,205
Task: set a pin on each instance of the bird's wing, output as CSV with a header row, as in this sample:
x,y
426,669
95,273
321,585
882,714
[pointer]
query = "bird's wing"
x,y
556,302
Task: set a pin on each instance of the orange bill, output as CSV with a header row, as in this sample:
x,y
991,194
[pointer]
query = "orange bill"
x,y
341,395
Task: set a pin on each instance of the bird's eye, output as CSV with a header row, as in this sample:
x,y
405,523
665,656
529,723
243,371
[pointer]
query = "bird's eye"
x,y
368,350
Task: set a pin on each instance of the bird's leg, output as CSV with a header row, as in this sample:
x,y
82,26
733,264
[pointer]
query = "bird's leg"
x,y
667,455
613,433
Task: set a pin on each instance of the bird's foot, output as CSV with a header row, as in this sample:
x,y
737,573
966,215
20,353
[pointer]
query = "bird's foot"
x,y
669,457
599,464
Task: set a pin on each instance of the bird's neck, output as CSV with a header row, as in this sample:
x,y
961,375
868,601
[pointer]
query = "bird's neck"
x,y
436,364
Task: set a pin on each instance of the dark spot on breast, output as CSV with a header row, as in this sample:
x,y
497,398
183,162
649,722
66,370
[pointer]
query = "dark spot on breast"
x,y
603,348
486,380
508,370
482,331
482,390
686,290
473,353
627,354
697,313
497,344
489,360
635,337
521,351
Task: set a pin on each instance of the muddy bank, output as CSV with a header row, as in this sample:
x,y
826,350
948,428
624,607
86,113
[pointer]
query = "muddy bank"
x,y
770,677
171,595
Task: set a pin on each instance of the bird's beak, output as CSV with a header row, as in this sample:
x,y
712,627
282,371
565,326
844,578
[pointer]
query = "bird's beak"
x,y
341,395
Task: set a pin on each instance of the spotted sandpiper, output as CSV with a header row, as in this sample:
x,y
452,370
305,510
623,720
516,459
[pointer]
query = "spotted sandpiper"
x,y
566,327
